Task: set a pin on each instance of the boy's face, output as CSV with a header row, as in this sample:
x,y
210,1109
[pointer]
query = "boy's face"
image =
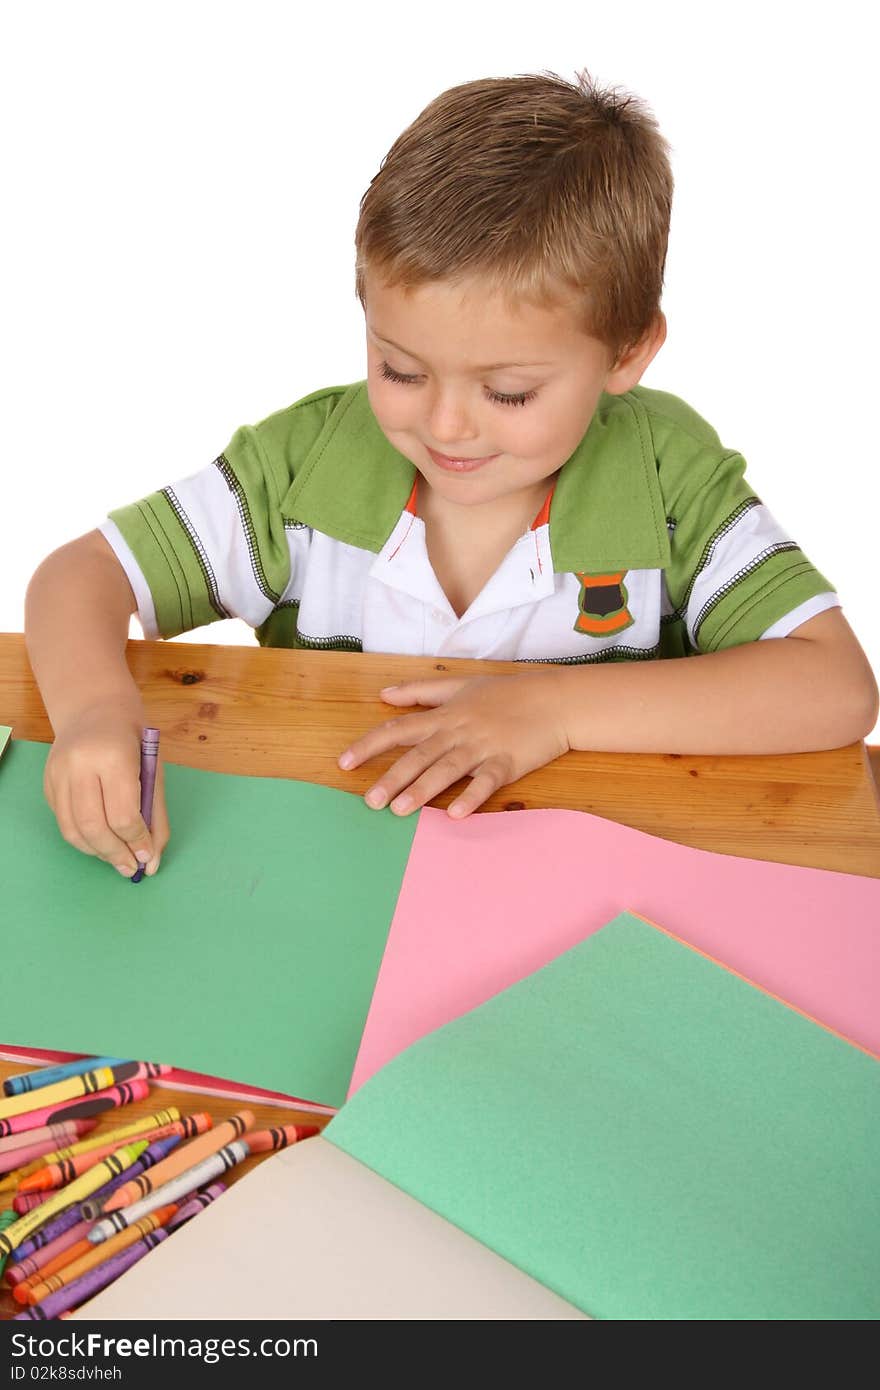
x,y
486,399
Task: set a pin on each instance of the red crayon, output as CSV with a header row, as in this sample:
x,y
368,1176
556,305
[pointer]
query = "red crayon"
x,y
26,1201
77,1109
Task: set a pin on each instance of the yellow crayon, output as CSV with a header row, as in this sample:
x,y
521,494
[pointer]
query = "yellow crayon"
x,y
48,1281
85,1084
142,1128
83,1186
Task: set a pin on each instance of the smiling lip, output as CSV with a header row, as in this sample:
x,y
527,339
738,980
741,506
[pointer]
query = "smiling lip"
x,y
459,465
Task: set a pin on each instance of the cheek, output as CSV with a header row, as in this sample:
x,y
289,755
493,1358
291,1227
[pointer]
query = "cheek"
x,y
390,405
551,431
526,433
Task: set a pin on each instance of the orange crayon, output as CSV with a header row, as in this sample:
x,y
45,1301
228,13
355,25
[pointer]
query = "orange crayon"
x,y
261,1141
66,1168
48,1176
185,1156
84,1256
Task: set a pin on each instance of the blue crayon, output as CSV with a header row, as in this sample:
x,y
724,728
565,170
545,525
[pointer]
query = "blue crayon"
x,y
47,1076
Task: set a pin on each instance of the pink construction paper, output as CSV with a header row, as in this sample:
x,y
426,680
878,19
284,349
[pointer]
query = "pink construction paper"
x,y
486,901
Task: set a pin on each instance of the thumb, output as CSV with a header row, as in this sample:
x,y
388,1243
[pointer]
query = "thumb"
x,y
160,830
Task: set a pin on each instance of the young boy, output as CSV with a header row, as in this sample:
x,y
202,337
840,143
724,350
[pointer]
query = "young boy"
x,y
500,487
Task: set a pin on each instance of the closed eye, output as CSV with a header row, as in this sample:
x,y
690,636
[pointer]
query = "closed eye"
x,y
497,397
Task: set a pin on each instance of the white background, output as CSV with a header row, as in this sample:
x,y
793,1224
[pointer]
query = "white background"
x,y
180,190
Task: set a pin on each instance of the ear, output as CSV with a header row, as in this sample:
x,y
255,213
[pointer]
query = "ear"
x,y
630,366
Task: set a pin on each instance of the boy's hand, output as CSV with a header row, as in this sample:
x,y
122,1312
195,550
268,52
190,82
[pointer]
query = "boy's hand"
x,y
92,784
492,728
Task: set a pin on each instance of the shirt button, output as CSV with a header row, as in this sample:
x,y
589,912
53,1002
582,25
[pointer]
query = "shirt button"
x,y
440,617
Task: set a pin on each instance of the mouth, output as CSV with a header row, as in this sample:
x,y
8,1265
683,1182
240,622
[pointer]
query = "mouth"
x,y
459,465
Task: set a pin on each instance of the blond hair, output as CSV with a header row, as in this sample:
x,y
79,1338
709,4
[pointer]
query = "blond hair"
x,y
548,188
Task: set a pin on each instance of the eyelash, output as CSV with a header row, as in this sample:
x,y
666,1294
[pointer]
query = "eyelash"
x,y
520,398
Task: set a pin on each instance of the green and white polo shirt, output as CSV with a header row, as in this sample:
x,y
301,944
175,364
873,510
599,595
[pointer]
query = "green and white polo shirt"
x,y
651,544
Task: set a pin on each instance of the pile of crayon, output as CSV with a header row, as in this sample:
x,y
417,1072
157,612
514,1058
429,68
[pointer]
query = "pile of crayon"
x,y
76,1212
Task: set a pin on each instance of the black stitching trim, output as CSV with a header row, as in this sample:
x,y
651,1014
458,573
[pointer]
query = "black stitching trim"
x,y
735,579
620,653
221,463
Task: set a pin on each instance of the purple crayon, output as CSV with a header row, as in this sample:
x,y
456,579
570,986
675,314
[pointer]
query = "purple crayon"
x,y
149,761
56,1227
72,1295
194,1205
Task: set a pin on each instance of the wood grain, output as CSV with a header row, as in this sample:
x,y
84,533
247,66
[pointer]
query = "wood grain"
x,y
273,713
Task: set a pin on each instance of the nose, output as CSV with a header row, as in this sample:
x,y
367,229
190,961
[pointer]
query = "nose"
x,y
450,419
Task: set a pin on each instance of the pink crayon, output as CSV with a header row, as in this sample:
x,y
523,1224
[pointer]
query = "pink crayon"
x,y
113,1096
32,1264
17,1158
193,1205
67,1132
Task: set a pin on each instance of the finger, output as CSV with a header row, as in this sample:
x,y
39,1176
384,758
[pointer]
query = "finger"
x,y
431,693
59,800
444,773
90,819
394,733
486,780
406,770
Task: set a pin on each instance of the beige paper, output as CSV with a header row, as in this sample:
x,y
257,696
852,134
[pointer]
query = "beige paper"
x,y
311,1233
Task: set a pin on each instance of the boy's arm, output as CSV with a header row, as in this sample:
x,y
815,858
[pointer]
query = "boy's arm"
x,y
77,611
813,689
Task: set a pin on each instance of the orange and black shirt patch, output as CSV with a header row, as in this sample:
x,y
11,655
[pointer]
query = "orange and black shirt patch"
x,y
602,604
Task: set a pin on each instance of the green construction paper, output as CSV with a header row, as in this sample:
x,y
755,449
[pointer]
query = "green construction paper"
x,y
251,955
645,1133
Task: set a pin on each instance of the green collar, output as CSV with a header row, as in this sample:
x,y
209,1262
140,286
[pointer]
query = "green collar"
x,y
607,511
